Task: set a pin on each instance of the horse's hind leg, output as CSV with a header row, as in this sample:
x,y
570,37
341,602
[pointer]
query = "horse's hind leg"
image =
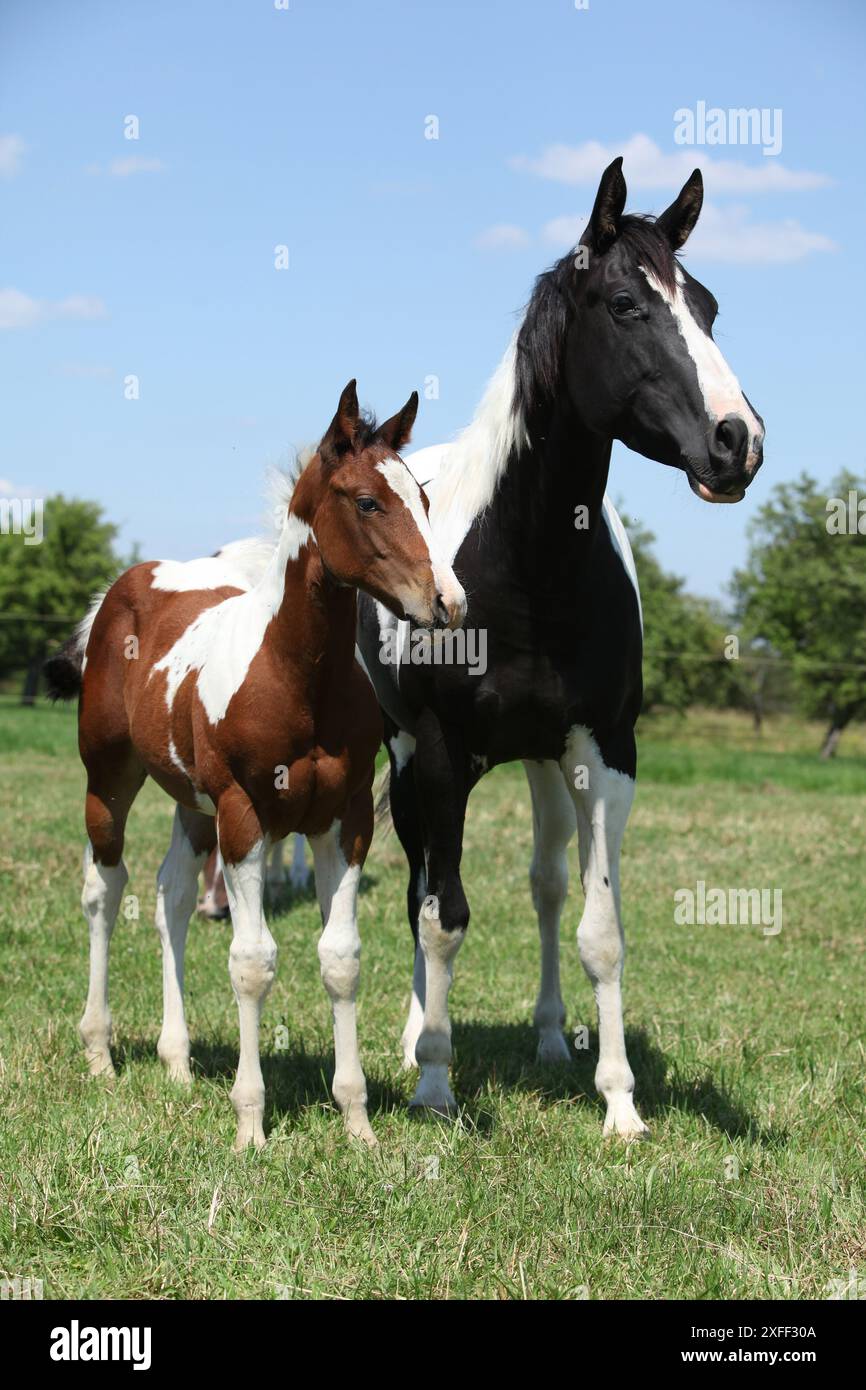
x,y
553,824
603,807
110,793
192,839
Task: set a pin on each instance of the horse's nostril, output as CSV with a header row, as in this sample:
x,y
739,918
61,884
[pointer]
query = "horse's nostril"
x,y
440,608
731,440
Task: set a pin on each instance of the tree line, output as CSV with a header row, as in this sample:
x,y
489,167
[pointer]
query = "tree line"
x,y
793,635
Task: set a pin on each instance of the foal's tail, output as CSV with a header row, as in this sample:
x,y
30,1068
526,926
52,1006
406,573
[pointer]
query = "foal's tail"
x,y
63,670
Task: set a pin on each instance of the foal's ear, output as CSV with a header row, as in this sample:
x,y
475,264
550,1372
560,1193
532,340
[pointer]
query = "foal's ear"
x,y
397,431
340,434
603,226
677,221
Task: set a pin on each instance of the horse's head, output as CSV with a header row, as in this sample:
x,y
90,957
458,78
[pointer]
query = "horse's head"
x,y
641,364
370,518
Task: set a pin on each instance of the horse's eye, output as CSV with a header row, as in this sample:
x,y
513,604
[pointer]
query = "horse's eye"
x,y
622,303
367,504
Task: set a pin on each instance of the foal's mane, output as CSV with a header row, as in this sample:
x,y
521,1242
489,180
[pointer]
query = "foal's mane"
x,y
541,337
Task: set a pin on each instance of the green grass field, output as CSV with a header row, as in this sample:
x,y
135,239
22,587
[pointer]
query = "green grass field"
x,y
748,1052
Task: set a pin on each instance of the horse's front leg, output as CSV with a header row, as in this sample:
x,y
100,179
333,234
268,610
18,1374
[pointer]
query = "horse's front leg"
x,y
338,857
603,799
252,955
443,784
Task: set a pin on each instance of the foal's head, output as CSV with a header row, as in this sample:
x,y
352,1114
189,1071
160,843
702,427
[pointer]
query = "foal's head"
x,y
369,517
639,358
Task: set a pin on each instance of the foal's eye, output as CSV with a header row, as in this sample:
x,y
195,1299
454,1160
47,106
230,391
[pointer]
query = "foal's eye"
x,y
367,504
622,303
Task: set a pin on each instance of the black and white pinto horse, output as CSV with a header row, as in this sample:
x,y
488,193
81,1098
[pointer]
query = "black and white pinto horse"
x,y
616,343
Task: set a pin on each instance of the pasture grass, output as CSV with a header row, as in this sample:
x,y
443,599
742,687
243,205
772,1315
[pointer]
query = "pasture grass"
x,y
748,1052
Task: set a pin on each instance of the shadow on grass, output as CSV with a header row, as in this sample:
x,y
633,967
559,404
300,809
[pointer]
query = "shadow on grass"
x,y
295,1078
498,1056
503,1056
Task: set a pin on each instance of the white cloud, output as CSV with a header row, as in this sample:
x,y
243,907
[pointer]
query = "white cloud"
x,y
504,236
135,164
722,234
12,148
646,166
727,234
19,310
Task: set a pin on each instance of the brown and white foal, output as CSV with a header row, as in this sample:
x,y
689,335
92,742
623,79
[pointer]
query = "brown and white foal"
x,y
248,707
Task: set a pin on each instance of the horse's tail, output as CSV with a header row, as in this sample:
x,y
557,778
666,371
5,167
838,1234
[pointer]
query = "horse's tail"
x,y
63,670
382,793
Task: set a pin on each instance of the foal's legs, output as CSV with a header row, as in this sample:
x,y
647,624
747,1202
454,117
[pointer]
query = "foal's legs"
x,y
443,785
603,808
192,839
553,824
252,956
110,793
338,856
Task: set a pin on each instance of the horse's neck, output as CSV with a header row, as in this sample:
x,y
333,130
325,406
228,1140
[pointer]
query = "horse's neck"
x,y
313,626
548,506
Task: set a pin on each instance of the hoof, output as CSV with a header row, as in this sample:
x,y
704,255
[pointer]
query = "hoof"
x,y
359,1129
434,1094
250,1131
623,1122
100,1064
552,1049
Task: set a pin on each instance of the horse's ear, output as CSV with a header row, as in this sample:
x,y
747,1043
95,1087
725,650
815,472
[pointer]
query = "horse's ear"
x,y
677,221
340,434
603,226
397,431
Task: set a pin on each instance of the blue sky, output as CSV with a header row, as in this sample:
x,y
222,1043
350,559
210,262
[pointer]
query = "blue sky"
x,y
408,257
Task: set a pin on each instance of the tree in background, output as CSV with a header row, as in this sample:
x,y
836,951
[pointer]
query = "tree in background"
x,y
684,639
42,586
803,592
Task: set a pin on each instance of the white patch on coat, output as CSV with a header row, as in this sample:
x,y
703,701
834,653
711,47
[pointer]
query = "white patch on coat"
x,y
221,642
719,387
402,747
402,483
622,546
209,572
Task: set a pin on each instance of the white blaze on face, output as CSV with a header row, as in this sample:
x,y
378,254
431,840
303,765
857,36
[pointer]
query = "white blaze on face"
x,y
720,389
401,482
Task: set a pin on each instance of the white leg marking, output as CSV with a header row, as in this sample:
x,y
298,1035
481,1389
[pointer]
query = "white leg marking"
x,y
433,1047
415,1021
340,961
100,900
252,965
603,809
553,823
176,885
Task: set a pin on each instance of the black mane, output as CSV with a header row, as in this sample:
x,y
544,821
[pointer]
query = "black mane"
x,y
541,339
